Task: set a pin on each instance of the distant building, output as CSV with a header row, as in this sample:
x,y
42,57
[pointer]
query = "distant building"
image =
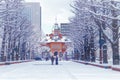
x,y
65,28
33,13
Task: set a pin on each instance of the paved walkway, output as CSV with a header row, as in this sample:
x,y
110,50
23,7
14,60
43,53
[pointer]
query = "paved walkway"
x,y
66,70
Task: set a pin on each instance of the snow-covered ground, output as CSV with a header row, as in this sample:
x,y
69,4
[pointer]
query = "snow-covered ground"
x,y
66,70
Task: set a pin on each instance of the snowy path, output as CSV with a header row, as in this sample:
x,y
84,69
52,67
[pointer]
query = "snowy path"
x,y
66,70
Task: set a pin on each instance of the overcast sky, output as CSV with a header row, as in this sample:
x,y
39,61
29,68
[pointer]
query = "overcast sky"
x,y
52,9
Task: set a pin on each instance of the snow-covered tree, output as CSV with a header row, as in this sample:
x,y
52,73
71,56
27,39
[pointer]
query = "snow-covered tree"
x,y
103,15
83,30
17,31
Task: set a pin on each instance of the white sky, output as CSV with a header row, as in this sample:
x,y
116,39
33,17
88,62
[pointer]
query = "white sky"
x,y
52,9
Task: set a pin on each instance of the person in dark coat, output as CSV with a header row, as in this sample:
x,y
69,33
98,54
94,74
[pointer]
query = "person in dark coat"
x,y
55,53
52,60
56,60
56,57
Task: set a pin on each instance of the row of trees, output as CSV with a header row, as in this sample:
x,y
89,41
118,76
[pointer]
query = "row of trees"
x,y
93,18
17,36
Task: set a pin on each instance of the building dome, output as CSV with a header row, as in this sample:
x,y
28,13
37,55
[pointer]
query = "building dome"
x,y
56,26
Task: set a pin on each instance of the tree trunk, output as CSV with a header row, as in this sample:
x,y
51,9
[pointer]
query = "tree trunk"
x,y
115,45
92,48
115,54
3,45
9,44
105,54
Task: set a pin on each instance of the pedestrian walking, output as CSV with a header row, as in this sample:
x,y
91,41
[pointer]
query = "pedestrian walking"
x,y
52,59
56,57
56,60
